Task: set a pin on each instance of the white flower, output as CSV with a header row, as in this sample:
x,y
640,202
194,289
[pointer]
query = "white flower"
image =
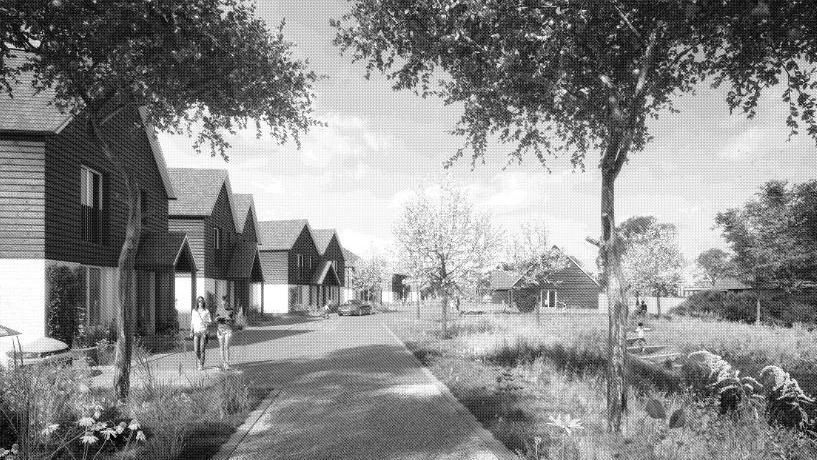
x,y
85,421
15,448
134,425
50,429
567,424
88,438
108,433
140,435
121,427
97,414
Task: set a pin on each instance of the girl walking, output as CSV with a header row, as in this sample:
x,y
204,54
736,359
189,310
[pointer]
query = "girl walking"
x,y
225,318
199,320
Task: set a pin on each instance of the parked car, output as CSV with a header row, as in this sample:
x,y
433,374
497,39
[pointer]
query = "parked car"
x,y
42,351
354,308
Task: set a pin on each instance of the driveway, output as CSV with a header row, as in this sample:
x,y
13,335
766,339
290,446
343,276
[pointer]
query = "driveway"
x,y
349,389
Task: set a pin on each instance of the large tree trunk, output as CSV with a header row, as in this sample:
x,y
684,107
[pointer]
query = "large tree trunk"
x,y
658,305
610,257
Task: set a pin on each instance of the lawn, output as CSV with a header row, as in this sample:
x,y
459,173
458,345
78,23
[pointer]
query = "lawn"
x,y
514,376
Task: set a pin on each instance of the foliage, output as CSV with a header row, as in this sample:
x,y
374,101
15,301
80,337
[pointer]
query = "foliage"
x,y
63,302
774,236
716,264
443,241
534,258
776,307
370,274
652,261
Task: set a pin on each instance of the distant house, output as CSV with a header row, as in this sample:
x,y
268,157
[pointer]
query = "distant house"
x,y
726,284
350,260
63,209
328,245
571,287
295,275
206,212
249,284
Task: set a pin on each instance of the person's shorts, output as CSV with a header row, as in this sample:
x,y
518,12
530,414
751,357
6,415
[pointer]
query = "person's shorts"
x,y
224,332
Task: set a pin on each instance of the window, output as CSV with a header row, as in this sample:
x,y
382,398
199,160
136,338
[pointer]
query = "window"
x,y
91,204
299,265
310,263
217,238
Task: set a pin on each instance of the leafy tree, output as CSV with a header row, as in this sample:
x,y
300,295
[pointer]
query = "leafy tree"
x,y
774,236
651,262
207,66
570,77
369,275
716,264
442,241
536,260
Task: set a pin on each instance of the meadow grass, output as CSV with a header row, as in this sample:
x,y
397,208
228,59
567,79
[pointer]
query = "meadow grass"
x,y
513,375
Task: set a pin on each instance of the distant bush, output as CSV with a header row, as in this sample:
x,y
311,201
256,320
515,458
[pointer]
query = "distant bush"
x,y
777,308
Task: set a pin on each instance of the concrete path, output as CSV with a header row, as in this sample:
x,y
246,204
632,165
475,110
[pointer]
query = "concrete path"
x,y
349,389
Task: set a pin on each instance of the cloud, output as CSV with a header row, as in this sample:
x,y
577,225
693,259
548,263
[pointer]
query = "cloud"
x,y
751,143
341,140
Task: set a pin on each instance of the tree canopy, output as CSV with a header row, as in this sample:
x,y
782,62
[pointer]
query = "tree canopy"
x,y
203,67
369,274
652,261
534,257
774,236
716,264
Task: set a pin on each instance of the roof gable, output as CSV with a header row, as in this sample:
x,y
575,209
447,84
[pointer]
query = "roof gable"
x,y
323,238
197,192
281,235
28,110
244,207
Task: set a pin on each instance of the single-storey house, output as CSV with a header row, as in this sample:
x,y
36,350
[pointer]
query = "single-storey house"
x,y
63,217
570,287
726,284
295,275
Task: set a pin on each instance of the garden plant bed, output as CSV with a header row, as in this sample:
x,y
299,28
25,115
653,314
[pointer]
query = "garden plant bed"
x,y
514,377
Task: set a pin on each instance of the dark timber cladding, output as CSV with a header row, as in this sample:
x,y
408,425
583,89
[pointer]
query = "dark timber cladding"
x,y
67,153
282,242
327,242
22,197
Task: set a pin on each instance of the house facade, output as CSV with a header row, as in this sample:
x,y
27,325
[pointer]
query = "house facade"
x,y
570,287
328,244
245,266
295,275
205,211
63,217
350,261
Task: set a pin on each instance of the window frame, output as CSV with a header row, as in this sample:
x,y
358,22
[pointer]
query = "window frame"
x,y
95,202
299,265
217,241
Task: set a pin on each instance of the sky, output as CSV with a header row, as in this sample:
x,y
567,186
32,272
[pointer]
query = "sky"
x,y
381,146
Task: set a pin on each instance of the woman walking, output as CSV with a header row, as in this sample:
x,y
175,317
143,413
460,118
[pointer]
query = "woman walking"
x,y
225,318
199,320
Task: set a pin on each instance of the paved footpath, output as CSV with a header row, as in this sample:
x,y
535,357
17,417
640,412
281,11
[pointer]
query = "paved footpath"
x,y
349,389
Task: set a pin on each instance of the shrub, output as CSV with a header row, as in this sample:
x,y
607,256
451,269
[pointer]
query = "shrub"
x,y
63,302
775,307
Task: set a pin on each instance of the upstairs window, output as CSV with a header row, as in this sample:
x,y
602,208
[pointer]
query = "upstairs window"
x,y
299,265
91,204
217,238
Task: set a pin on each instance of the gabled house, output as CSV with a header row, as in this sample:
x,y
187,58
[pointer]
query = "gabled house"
x,y
328,244
63,217
249,285
294,277
205,211
571,287
350,262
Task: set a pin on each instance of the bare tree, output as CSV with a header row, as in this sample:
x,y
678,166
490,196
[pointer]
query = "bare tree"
x,y
443,241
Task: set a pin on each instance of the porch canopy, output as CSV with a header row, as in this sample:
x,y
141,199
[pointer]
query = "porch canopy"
x,y
326,275
246,263
165,251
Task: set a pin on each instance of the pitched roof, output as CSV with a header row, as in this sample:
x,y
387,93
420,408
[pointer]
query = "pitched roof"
x,y
245,262
29,111
502,280
243,204
197,191
164,250
327,269
323,236
280,235
349,257
721,284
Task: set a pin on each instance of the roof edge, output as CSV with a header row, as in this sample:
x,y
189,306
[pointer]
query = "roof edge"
x,y
158,154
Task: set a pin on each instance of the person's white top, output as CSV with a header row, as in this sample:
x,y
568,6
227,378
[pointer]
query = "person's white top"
x,y
639,332
199,319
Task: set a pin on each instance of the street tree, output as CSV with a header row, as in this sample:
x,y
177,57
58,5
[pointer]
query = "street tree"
x,y
198,67
774,236
652,263
536,260
715,264
370,275
444,242
570,77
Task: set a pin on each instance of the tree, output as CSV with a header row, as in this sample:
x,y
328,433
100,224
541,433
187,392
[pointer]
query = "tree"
x,y
774,237
536,260
442,241
566,78
651,262
207,66
716,264
369,275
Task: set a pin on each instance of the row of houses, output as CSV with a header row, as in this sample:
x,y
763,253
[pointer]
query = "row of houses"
x,y
63,210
